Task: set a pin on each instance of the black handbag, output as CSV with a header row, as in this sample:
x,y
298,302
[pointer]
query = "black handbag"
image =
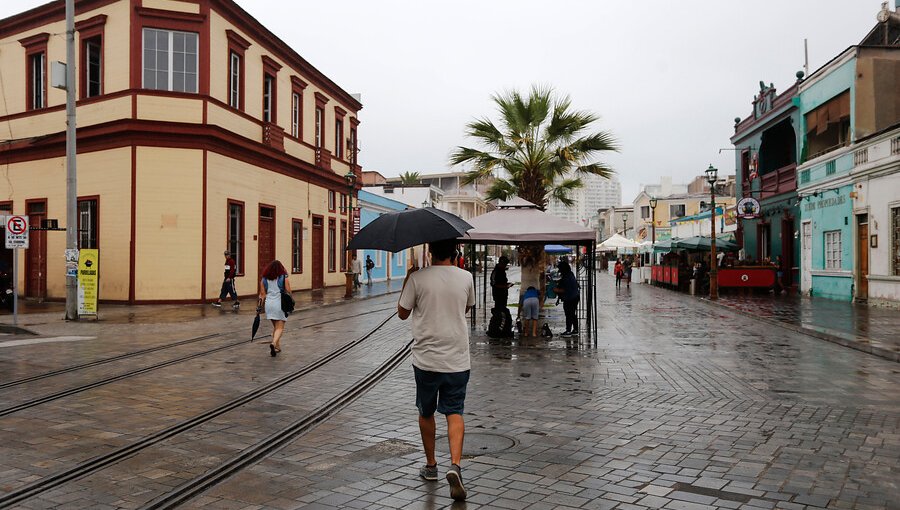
x,y
287,301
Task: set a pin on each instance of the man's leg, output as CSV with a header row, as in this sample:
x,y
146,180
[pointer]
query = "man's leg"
x,y
427,431
223,293
456,429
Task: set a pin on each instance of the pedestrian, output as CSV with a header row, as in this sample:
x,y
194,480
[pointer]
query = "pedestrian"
x,y
531,307
460,261
273,282
356,268
369,267
626,272
619,271
567,289
228,282
438,298
500,283
779,275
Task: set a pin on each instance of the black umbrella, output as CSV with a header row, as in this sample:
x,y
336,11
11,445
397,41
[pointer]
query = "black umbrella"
x,y
400,230
255,325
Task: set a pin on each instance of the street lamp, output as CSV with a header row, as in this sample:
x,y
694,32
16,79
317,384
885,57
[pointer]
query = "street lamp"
x,y
350,178
653,202
711,177
624,223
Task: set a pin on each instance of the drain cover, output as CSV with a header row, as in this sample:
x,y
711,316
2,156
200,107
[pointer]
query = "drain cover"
x,y
477,443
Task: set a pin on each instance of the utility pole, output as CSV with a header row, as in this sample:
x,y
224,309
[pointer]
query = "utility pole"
x,y
71,174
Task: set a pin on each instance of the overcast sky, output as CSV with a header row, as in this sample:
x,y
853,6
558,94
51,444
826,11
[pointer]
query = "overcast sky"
x,y
667,78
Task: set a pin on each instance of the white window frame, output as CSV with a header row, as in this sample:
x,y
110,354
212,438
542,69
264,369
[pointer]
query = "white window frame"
x,y
331,200
295,115
268,96
170,72
93,46
338,135
683,208
38,79
645,208
833,253
320,113
234,96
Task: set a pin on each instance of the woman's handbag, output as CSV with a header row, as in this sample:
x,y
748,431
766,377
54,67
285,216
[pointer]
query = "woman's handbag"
x,y
287,301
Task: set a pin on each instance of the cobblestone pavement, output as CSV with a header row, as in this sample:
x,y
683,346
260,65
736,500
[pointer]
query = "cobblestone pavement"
x,y
867,328
679,405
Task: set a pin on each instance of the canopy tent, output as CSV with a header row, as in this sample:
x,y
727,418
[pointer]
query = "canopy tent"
x,y
696,243
557,249
516,222
617,241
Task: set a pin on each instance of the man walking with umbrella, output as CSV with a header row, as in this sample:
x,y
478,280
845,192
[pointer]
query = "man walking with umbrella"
x,y
437,298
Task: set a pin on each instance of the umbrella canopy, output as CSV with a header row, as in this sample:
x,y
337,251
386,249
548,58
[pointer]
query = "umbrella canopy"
x,y
615,242
403,229
518,221
557,249
663,245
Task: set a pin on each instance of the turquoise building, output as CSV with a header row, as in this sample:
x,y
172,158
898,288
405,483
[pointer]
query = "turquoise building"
x,y
767,148
846,108
388,266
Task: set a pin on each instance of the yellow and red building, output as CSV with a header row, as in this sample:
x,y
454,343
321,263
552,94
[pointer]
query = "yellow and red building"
x,y
199,130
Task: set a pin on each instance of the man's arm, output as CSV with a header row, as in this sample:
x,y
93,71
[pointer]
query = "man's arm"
x,y
402,312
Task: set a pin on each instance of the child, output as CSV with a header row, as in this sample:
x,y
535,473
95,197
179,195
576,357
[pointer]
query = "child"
x,y
531,307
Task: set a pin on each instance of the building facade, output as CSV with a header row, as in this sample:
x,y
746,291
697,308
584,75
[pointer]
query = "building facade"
x,y
847,181
767,146
597,194
463,199
199,130
669,208
388,266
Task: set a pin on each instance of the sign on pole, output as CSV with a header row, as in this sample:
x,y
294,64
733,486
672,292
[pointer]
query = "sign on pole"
x,y
88,281
17,232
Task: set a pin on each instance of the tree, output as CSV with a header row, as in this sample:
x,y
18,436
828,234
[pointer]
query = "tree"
x,y
539,151
410,178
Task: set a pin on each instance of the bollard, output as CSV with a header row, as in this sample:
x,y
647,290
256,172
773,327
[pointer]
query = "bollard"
x,y
348,285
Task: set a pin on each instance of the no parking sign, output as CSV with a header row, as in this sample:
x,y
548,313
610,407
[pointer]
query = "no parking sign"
x,y
17,232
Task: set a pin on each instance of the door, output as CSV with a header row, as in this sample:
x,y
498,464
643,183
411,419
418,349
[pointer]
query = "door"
x,y
266,237
806,258
862,256
36,254
318,252
787,252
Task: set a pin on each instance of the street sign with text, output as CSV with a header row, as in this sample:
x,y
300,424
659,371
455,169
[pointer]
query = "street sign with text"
x,y
17,232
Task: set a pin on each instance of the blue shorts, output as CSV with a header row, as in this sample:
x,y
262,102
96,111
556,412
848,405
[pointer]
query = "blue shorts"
x,y
440,391
531,307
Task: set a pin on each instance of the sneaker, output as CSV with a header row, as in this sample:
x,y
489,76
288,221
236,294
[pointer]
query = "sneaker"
x,y
429,473
566,333
236,304
574,333
457,491
217,305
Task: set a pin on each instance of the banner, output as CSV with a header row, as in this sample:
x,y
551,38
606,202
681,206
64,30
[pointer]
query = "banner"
x,y
88,281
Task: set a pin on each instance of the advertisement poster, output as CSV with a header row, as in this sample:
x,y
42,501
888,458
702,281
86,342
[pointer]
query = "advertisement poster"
x,y
88,281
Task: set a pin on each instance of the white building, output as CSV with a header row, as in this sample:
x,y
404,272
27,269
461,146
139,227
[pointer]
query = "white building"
x,y
465,200
597,194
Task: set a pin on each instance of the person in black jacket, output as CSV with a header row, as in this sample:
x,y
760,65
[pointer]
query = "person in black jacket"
x,y
567,290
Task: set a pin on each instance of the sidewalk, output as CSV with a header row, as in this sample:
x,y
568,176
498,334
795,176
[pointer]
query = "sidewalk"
x,y
865,328
49,312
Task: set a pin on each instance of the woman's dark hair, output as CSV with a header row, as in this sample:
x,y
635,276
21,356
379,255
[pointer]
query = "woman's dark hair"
x,y
442,250
274,270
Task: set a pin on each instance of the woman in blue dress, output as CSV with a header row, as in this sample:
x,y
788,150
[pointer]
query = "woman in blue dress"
x,y
274,280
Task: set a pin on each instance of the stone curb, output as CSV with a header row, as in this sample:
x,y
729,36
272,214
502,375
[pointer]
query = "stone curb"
x,y
861,344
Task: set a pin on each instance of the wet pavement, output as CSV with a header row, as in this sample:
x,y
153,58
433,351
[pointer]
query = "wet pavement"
x,y
870,329
678,405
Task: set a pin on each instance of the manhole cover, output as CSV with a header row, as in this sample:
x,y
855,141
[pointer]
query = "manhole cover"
x,y
477,443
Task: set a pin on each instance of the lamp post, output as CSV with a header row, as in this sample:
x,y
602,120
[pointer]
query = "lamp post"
x,y
653,202
624,223
350,178
711,177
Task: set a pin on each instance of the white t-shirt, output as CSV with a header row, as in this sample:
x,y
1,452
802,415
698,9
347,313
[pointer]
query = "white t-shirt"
x,y
356,266
438,297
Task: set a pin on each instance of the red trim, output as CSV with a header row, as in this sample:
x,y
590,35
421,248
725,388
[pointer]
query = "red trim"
x,y
237,45
270,71
78,234
128,132
259,219
35,45
203,247
294,241
339,143
242,262
343,240
332,201
41,292
297,87
90,30
46,14
321,100
331,249
132,254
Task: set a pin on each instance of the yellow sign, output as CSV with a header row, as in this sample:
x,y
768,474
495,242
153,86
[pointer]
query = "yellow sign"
x,y
88,281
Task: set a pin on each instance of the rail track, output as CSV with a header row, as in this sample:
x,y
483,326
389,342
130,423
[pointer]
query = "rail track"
x,y
143,370
244,458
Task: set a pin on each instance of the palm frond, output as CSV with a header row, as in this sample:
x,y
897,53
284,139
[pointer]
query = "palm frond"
x,y
501,189
600,169
560,191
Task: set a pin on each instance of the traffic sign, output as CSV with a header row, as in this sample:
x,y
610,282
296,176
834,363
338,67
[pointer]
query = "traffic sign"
x,y
17,232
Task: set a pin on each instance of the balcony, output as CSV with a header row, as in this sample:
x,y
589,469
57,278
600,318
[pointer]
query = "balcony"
x,y
779,181
273,136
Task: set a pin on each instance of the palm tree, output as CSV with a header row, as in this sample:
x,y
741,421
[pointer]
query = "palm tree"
x,y
540,150
410,178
